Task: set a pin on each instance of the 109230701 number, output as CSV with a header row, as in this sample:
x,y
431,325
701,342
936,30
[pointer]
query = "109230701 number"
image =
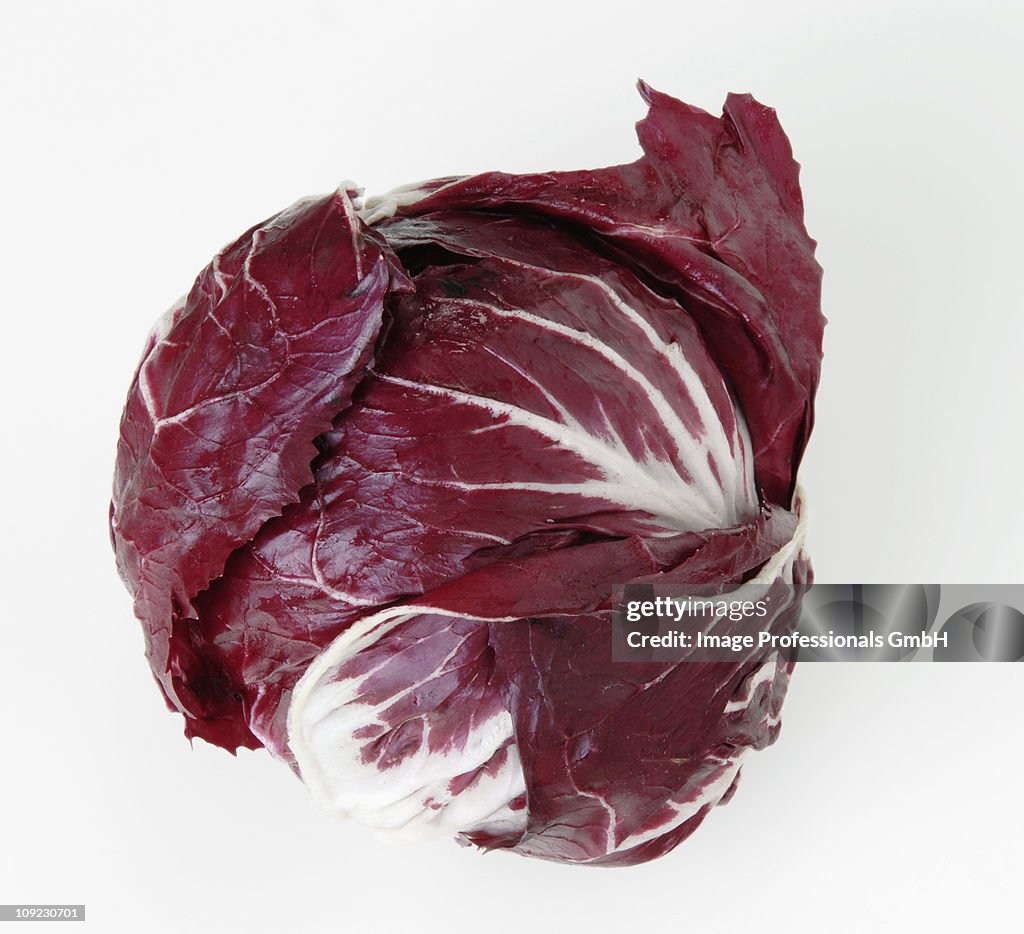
x,y
42,912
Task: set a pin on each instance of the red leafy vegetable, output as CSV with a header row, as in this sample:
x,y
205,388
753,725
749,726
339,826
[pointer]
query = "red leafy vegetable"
x,y
379,471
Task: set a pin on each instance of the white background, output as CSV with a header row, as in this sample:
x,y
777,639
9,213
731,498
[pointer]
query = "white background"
x,y
139,138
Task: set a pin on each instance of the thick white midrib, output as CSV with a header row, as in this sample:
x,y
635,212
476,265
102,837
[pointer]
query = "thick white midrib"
x,y
673,354
629,474
662,348
619,493
692,449
568,420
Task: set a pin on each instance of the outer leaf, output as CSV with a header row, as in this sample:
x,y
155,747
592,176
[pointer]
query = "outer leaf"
x,y
218,429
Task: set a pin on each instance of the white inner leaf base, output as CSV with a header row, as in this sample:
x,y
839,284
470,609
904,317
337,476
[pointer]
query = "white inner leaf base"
x,y
402,742
376,689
